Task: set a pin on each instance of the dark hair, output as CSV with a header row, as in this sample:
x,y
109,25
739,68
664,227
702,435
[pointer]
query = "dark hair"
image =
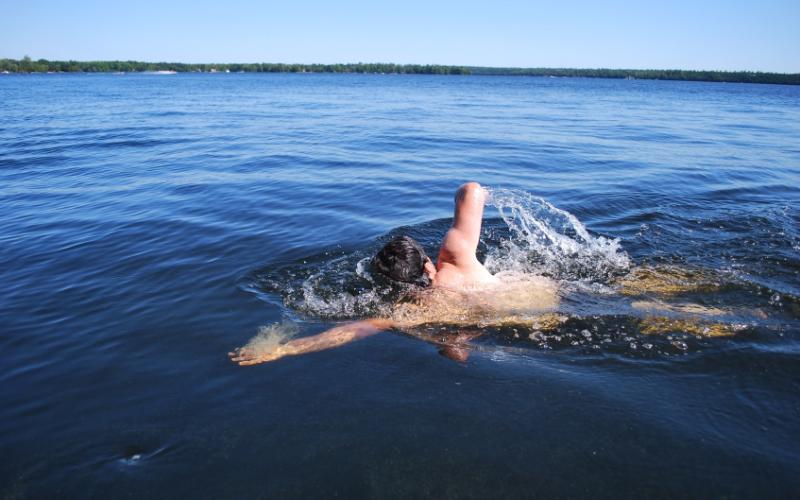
x,y
402,259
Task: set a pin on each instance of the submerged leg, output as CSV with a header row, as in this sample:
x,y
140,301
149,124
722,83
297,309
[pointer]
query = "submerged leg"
x,y
661,325
666,280
652,283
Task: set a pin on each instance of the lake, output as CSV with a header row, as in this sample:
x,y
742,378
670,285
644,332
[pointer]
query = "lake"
x,y
149,224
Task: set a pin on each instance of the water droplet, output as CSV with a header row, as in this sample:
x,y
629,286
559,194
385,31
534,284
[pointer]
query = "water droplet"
x,y
680,345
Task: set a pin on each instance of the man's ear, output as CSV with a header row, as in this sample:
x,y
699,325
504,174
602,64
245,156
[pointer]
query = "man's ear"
x,y
429,268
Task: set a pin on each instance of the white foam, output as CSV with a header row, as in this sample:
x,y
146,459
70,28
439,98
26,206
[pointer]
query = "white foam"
x,y
547,240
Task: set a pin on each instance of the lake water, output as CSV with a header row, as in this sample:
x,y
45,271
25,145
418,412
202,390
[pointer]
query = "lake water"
x,y
151,223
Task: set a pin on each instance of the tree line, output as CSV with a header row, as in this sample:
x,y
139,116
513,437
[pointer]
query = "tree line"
x,y
27,65
648,74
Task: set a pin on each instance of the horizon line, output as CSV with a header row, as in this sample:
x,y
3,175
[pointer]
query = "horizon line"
x,y
468,66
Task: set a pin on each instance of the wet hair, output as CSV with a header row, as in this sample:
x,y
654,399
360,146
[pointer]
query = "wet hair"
x,y
402,259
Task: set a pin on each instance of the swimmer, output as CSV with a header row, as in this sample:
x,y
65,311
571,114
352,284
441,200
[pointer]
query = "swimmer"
x,y
456,290
459,291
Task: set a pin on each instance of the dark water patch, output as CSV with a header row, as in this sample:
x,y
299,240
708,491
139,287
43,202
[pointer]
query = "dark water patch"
x,y
32,137
172,113
113,142
410,141
34,160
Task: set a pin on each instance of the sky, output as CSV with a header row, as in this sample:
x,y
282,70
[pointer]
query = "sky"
x,y
678,34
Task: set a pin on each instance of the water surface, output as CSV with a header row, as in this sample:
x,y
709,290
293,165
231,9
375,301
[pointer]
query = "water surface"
x,y
151,223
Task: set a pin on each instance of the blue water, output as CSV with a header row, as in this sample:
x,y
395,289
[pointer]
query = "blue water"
x,y
151,223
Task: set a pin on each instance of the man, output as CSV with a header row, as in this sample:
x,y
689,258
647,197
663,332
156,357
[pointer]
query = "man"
x,y
403,259
459,291
462,290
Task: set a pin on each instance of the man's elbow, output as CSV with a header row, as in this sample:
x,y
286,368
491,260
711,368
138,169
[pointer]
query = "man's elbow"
x,y
380,324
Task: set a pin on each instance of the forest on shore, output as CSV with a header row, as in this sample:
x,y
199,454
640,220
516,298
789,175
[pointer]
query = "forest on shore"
x,y
27,65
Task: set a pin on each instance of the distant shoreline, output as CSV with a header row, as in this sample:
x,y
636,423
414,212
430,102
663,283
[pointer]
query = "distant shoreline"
x,y
26,65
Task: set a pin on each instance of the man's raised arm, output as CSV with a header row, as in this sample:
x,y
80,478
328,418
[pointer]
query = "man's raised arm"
x,y
462,239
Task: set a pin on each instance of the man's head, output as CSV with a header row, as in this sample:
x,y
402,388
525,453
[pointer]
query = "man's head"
x,y
403,259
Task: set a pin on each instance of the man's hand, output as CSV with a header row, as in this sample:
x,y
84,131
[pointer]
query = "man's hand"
x,y
245,356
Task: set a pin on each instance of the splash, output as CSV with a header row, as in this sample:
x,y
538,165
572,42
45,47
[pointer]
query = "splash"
x,y
328,286
547,240
270,337
536,239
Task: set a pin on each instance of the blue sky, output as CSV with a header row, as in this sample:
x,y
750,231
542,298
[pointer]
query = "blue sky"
x,y
685,34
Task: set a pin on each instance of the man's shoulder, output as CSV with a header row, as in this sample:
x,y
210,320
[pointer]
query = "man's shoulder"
x,y
469,274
